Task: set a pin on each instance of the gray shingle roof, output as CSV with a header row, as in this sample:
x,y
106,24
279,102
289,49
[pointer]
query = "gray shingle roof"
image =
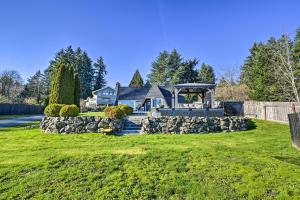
x,y
132,93
155,91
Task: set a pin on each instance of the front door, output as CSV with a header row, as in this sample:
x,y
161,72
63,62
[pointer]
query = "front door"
x,y
147,105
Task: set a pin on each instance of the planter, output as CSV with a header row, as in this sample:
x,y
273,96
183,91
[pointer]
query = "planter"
x,y
294,121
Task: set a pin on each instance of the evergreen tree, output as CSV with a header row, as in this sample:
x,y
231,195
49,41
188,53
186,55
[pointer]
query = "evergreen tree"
x,y
172,68
296,56
159,69
100,68
35,87
82,65
77,91
186,72
296,47
175,63
206,74
137,80
85,70
63,85
258,73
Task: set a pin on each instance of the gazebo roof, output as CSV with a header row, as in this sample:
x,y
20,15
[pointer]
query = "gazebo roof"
x,y
193,87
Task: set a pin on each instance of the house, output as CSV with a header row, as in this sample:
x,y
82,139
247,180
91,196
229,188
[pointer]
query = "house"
x,y
103,96
146,98
152,96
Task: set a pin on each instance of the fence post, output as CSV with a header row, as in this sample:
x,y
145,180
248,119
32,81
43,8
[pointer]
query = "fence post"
x,y
293,108
265,112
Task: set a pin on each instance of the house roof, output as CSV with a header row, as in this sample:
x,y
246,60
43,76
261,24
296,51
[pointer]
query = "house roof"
x,y
132,93
95,91
163,92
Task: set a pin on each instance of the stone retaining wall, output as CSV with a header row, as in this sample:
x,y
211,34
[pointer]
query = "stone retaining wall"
x,y
192,112
81,124
184,125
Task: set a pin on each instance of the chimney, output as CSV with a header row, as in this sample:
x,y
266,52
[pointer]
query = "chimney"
x,y
118,85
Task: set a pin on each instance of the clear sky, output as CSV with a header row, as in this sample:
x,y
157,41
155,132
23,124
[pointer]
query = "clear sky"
x,y
129,34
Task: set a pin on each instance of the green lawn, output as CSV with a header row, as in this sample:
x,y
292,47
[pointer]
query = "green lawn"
x,y
97,114
11,116
255,164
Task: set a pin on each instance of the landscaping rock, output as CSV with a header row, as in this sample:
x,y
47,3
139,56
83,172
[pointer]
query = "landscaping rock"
x,y
80,124
186,124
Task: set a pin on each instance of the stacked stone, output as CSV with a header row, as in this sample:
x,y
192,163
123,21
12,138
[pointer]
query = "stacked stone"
x,y
81,124
184,125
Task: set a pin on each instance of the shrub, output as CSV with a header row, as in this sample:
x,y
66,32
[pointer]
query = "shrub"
x,y
126,109
69,111
114,112
108,109
63,85
52,110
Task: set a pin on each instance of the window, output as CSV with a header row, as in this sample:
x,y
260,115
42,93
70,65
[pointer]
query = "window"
x,y
157,102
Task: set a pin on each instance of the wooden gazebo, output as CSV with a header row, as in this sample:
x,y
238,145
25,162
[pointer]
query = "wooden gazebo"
x,y
200,89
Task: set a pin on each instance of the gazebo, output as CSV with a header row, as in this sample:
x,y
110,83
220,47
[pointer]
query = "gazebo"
x,y
200,89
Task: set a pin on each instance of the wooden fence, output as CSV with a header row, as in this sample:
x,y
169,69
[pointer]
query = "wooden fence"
x,y
273,111
20,109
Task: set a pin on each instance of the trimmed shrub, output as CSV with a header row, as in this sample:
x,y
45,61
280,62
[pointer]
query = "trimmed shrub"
x,y
69,111
63,85
108,109
114,112
52,110
126,109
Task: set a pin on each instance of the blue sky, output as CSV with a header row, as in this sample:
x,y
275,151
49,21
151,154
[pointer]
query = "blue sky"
x,y
129,34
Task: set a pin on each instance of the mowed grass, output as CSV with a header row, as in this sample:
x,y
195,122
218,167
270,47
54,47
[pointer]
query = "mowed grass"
x,y
96,114
254,164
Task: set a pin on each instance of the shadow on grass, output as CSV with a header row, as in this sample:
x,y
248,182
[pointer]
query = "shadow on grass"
x,y
291,160
251,125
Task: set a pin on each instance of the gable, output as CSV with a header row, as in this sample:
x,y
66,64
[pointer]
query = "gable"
x,y
105,89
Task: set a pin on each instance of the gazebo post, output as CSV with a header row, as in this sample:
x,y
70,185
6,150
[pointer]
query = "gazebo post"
x,y
202,97
175,98
212,98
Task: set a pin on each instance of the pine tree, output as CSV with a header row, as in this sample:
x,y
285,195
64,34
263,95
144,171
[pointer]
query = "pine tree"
x,y
137,80
82,65
172,68
63,85
187,73
296,56
100,69
175,62
85,70
159,69
296,47
206,74
35,87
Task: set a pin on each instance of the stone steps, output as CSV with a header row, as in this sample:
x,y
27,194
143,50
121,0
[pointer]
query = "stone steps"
x,y
132,124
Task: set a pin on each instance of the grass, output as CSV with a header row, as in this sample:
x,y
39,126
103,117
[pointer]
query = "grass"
x,y
97,114
2,117
254,164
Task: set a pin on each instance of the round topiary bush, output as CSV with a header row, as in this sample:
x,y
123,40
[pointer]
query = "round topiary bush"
x,y
69,111
114,112
126,109
52,110
108,109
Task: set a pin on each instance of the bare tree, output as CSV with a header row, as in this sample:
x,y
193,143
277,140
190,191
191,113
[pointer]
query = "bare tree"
x,y
230,88
284,68
10,84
